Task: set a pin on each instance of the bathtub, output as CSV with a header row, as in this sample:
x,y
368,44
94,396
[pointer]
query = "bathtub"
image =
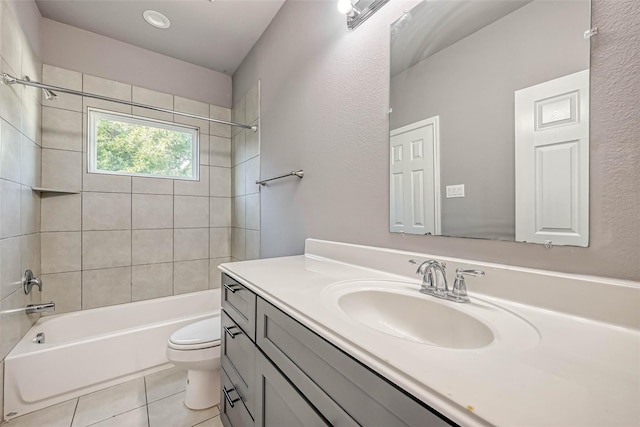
x,y
93,349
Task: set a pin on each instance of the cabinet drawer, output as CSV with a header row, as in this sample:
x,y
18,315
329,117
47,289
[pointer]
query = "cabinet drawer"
x,y
240,304
281,403
321,370
238,360
232,412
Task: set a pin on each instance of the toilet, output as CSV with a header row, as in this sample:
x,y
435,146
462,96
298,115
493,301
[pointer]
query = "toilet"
x,y
196,348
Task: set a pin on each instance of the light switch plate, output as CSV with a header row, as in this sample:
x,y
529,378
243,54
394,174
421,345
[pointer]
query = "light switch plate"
x,y
455,191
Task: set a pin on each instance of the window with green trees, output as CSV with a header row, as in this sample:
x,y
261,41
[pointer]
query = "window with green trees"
x,y
130,145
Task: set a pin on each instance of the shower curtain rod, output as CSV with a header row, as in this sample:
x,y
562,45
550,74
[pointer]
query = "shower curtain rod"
x,y
9,80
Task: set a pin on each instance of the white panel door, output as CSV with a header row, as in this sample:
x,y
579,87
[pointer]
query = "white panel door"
x,y
415,178
552,161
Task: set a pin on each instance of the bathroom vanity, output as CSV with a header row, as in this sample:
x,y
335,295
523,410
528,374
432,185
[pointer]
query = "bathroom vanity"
x,y
342,336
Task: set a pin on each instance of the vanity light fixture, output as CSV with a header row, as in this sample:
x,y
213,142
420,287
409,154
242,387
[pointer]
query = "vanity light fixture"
x,y
358,11
156,19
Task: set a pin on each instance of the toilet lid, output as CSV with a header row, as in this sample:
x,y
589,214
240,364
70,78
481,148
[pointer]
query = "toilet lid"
x,y
201,334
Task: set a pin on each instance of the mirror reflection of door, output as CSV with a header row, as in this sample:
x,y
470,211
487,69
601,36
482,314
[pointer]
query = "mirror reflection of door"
x,y
552,161
415,178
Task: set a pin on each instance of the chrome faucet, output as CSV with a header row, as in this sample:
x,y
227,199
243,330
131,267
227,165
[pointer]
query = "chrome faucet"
x,y
48,307
29,281
436,284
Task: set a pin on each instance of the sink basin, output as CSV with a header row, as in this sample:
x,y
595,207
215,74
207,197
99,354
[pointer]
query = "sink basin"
x,y
417,318
394,313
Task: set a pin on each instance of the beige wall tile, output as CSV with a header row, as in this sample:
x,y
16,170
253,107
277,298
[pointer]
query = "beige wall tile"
x,y
10,99
220,182
152,211
238,247
220,245
31,116
238,115
253,211
239,178
152,246
192,107
29,211
214,273
106,211
155,99
61,212
106,249
106,287
191,244
252,245
252,141
110,88
218,129
104,182
193,188
152,185
11,149
220,211
10,209
31,250
151,281
190,276
191,212
13,321
61,170
11,268
238,212
56,76
219,151
30,164
61,129
61,252
238,148
11,41
252,109
204,149
65,289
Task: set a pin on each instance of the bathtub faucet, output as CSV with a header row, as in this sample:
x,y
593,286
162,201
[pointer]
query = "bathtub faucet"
x,y
48,307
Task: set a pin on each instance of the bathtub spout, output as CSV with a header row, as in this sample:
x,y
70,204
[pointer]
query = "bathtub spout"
x,y
48,307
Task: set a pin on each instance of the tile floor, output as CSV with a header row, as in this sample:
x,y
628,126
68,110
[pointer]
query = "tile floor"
x,y
153,401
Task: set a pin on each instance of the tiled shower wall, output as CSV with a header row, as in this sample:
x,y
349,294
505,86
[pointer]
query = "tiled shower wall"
x,y
245,234
119,238
19,171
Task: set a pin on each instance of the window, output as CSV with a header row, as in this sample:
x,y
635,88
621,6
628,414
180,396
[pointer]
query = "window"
x,y
128,145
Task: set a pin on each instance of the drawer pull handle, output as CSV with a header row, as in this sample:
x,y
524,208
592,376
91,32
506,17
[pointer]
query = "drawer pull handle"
x,y
231,333
231,289
226,396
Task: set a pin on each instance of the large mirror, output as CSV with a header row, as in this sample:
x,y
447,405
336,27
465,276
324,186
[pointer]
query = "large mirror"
x,y
489,120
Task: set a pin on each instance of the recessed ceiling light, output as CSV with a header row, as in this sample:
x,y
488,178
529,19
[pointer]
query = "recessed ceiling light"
x,y
156,19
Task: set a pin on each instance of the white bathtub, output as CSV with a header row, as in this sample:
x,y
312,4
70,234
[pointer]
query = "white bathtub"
x,y
93,349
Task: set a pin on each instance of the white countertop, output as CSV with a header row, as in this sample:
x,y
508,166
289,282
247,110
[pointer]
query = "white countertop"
x,y
577,372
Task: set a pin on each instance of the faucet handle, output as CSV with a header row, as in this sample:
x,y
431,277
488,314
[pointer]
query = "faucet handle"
x,y
459,291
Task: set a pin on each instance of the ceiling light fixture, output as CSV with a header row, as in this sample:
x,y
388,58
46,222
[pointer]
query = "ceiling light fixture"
x,y
156,19
357,15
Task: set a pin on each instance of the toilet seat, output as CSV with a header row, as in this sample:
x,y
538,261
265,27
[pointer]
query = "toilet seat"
x,y
197,336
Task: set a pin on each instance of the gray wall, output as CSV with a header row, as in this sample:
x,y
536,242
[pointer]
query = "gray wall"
x,y
470,85
79,50
324,104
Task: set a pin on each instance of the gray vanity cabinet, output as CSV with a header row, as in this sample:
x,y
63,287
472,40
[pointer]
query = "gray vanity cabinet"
x,y
286,375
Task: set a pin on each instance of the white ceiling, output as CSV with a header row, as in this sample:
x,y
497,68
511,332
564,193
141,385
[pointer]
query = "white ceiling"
x,y
213,34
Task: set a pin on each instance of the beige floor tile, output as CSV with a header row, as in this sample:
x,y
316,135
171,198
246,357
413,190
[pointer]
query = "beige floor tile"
x,y
213,422
109,402
165,383
59,415
136,418
171,412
